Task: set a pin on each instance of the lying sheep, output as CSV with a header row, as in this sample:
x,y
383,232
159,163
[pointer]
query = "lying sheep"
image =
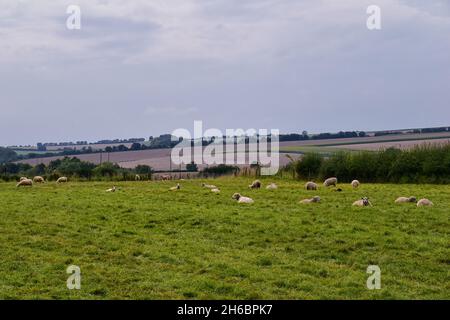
x,y
113,189
315,199
137,178
311,186
241,199
330,182
177,187
38,179
62,180
424,203
208,186
355,184
406,200
25,183
364,202
215,190
272,186
255,184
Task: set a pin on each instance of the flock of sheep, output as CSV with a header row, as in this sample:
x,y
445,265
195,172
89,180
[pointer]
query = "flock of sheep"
x,y
310,186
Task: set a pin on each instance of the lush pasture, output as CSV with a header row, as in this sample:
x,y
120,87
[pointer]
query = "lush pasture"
x,y
145,242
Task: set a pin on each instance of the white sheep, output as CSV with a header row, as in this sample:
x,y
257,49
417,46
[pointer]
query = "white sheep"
x,y
272,186
311,186
425,203
208,186
25,183
23,178
113,189
315,199
177,187
255,184
241,199
330,182
406,200
355,184
62,180
215,190
38,179
166,177
364,202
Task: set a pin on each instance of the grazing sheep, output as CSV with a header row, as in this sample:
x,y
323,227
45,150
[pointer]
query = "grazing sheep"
x,y
315,199
364,202
137,177
25,183
255,184
424,203
406,200
38,179
23,178
355,184
311,186
61,180
241,199
330,182
272,186
166,177
113,189
208,186
215,190
177,187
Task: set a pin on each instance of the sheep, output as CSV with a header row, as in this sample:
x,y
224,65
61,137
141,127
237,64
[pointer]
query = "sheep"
x,y
355,184
165,177
311,186
177,187
330,182
137,177
272,186
61,180
406,200
23,178
424,203
113,189
364,202
241,199
25,183
315,199
38,179
255,184
208,186
215,190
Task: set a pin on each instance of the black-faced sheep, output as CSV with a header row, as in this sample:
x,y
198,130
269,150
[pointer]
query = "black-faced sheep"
x,y
241,199
311,186
425,203
364,202
38,179
113,189
25,183
177,187
315,199
406,200
330,182
62,180
255,184
355,184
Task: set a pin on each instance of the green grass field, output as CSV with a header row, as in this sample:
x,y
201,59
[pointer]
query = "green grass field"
x,y
144,242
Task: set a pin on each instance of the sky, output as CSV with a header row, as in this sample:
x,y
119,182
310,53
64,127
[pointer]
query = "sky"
x,y
138,68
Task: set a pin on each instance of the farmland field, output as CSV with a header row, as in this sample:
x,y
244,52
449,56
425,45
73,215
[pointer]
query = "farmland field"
x,y
145,242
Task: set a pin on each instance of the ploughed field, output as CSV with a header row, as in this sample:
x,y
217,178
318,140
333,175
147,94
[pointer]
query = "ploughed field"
x,y
146,242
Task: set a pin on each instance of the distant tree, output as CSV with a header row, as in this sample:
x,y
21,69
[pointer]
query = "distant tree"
x,y
7,155
135,146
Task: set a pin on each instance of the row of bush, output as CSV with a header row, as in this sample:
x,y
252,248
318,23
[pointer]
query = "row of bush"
x,y
422,164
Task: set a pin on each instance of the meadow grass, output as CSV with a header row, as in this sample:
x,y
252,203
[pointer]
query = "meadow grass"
x,y
145,242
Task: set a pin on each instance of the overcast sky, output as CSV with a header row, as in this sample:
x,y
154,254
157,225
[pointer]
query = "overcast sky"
x,y
145,67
